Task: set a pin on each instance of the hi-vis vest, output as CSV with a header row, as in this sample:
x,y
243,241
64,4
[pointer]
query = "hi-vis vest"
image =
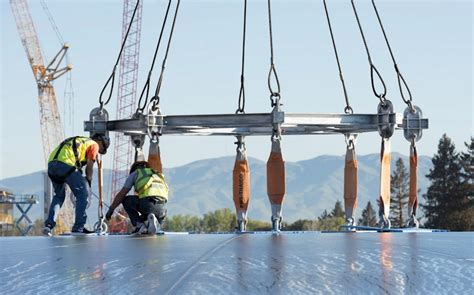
x,y
150,184
72,151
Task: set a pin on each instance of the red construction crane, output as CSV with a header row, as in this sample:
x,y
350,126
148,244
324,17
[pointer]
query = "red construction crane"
x,y
127,92
51,128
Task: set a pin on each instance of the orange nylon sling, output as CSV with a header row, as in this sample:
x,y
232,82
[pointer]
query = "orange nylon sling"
x,y
385,158
276,175
350,182
241,183
154,157
413,195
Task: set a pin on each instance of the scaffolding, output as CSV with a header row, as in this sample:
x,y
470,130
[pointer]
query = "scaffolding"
x,y
23,203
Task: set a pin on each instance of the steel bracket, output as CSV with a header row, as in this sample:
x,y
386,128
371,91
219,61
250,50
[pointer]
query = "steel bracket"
x,y
413,124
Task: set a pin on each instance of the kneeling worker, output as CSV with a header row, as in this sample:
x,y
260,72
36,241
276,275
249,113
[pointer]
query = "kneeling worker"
x,y
65,165
147,210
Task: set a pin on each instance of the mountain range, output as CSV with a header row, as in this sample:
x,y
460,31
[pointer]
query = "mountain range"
x,y
196,188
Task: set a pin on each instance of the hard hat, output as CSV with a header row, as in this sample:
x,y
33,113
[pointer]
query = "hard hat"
x,y
105,140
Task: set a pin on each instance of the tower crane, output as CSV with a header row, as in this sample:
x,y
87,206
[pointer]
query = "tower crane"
x,y
51,128
127,93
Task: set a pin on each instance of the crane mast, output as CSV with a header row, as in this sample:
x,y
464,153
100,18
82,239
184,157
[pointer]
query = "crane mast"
x,y
127,92
51,128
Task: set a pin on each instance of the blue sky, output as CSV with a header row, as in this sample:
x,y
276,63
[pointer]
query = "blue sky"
x,y
432,41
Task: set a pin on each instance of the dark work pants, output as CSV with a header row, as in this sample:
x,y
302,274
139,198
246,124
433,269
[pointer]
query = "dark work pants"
x,y
78,186
138,209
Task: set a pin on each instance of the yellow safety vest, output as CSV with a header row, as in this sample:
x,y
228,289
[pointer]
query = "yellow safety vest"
x,y
72,151
151,184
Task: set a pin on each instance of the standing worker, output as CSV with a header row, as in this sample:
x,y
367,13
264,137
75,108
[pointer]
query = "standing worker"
x,y
146,211
65,165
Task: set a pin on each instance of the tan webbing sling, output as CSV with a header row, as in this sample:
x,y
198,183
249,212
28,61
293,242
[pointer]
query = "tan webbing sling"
x,y
385,158
350,182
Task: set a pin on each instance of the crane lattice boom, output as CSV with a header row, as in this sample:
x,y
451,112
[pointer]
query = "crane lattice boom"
x,y
51,127
127,92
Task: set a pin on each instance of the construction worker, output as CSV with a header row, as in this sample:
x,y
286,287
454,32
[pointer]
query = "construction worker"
x,y
146,209
65,165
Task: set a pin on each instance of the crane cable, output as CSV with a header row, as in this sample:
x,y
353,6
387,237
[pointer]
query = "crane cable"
x,y
241,103
373,69
400,78
155,100
52,22
112,75
146,87
274,95
348,109
413,182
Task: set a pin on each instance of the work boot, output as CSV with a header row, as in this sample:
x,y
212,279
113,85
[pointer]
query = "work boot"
x,y
47,231
82,232
153,225
140,229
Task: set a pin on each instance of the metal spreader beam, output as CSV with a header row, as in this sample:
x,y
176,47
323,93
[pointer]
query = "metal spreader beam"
x,y
254,123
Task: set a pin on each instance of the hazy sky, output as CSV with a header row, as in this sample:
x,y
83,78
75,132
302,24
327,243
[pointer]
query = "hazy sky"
x,y
432,41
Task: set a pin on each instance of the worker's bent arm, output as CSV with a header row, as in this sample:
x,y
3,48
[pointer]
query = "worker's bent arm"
x,y
89,169
119,198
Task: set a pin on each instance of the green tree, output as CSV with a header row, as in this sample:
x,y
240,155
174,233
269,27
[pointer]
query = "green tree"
x,y
369,216
467,163
338,211
302,224
467,160
324,215
183,223
219,220
257,225
331,223
400,191
445,199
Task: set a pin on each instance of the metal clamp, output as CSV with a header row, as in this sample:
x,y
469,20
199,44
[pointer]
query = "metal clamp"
x,y
278,118
412,125
385,127
350,140
99,118
154,121
240,144
276,223
137,142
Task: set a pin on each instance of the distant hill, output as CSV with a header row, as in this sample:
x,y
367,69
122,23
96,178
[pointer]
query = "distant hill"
x,y
202,186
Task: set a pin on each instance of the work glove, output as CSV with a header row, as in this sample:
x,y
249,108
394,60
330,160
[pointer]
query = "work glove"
x,y
109,213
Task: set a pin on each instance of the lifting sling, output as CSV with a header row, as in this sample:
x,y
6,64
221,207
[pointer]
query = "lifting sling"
x,y
154,157
100,227
241,184
350,183
413,195
276,181
385,158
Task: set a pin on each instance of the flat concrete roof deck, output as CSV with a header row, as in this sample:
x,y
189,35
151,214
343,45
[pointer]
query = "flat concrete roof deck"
x,y
354,263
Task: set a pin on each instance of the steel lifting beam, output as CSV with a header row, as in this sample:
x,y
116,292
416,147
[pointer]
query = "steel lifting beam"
x,y
257,124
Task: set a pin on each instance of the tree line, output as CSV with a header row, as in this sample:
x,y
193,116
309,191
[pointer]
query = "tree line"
x,y
449,201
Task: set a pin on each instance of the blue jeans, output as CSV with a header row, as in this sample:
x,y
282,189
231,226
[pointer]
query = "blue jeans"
x,y
79,187
138,209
